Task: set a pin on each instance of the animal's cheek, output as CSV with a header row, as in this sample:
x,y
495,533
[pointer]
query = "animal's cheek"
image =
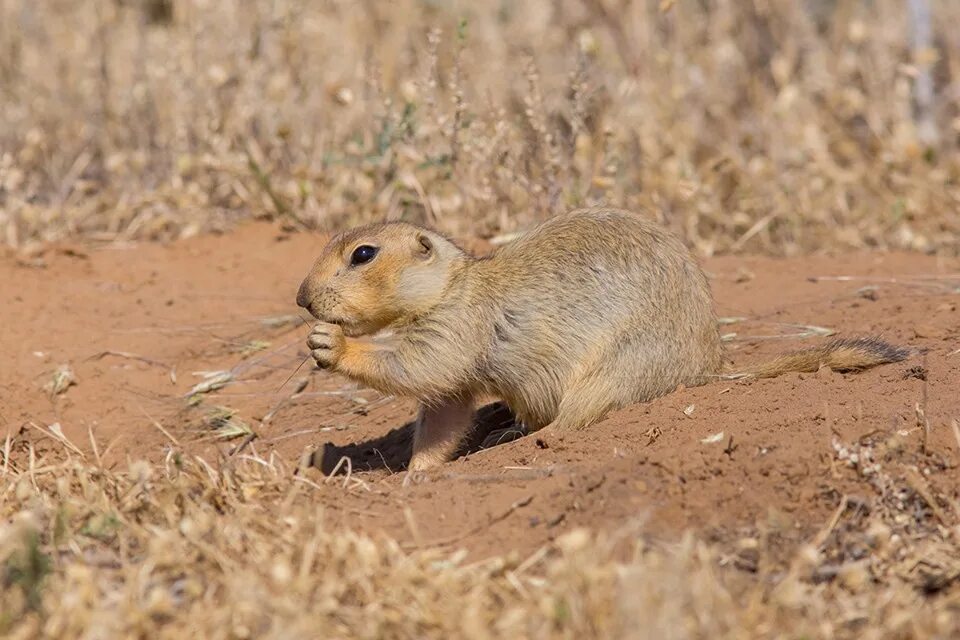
x,y
353,309
351,298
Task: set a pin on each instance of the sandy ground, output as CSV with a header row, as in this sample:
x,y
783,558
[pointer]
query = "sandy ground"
x,y
137,324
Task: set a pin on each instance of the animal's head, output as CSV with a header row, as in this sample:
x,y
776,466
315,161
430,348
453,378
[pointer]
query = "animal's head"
x,y
372,277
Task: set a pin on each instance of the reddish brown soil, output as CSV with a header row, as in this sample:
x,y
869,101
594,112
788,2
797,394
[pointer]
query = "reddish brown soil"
x,y
192,306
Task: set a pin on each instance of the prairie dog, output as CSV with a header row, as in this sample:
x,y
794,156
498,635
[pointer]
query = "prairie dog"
x,y
590,311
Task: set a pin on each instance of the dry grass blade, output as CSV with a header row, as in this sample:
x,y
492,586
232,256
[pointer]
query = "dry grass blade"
x,y
56,432
225,424
297,390
129,356
212,381
159,427
922,487
61,380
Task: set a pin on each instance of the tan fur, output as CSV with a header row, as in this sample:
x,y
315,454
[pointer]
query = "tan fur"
x,y
591,311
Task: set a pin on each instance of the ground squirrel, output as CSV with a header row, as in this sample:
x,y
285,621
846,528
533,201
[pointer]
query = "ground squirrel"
x,y
588,312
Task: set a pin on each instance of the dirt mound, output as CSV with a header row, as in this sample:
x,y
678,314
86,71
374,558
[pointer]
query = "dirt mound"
x,y
110,346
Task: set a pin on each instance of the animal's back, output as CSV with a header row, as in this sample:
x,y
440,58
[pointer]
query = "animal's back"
x,y
599,290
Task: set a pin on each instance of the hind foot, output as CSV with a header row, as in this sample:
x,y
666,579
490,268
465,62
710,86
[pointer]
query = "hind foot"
x,y
503,436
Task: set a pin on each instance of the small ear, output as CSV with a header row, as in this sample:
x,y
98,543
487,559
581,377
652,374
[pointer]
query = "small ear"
x,y
424,246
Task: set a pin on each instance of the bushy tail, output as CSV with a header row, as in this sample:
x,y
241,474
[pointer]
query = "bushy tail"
x,y
840,354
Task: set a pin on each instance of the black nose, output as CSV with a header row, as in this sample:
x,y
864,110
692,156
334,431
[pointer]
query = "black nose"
x,y
304,296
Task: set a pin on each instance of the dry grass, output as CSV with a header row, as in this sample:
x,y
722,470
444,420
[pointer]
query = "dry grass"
x,y
240,550
748,126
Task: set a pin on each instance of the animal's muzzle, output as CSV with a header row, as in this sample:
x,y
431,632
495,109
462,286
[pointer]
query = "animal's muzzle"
x,y
304,295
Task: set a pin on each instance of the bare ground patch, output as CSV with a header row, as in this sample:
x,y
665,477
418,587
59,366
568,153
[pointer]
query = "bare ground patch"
x,y
156,489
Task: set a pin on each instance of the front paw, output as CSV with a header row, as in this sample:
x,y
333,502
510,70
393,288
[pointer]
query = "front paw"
x,y
326,342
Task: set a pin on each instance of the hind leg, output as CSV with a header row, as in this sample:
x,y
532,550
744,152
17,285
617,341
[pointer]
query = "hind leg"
x,y
633,371
438,432
618,381
586,402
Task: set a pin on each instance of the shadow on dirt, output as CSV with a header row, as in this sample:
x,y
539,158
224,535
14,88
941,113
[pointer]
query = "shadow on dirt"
x,y
392,451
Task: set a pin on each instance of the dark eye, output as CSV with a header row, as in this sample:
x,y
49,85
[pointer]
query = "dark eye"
x,y
362,255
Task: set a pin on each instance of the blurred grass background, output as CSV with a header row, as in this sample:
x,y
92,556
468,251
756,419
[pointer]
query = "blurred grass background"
x,y
768,126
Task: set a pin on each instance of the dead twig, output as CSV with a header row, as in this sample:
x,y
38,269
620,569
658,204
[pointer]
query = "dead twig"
x,y
443,542
129,356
